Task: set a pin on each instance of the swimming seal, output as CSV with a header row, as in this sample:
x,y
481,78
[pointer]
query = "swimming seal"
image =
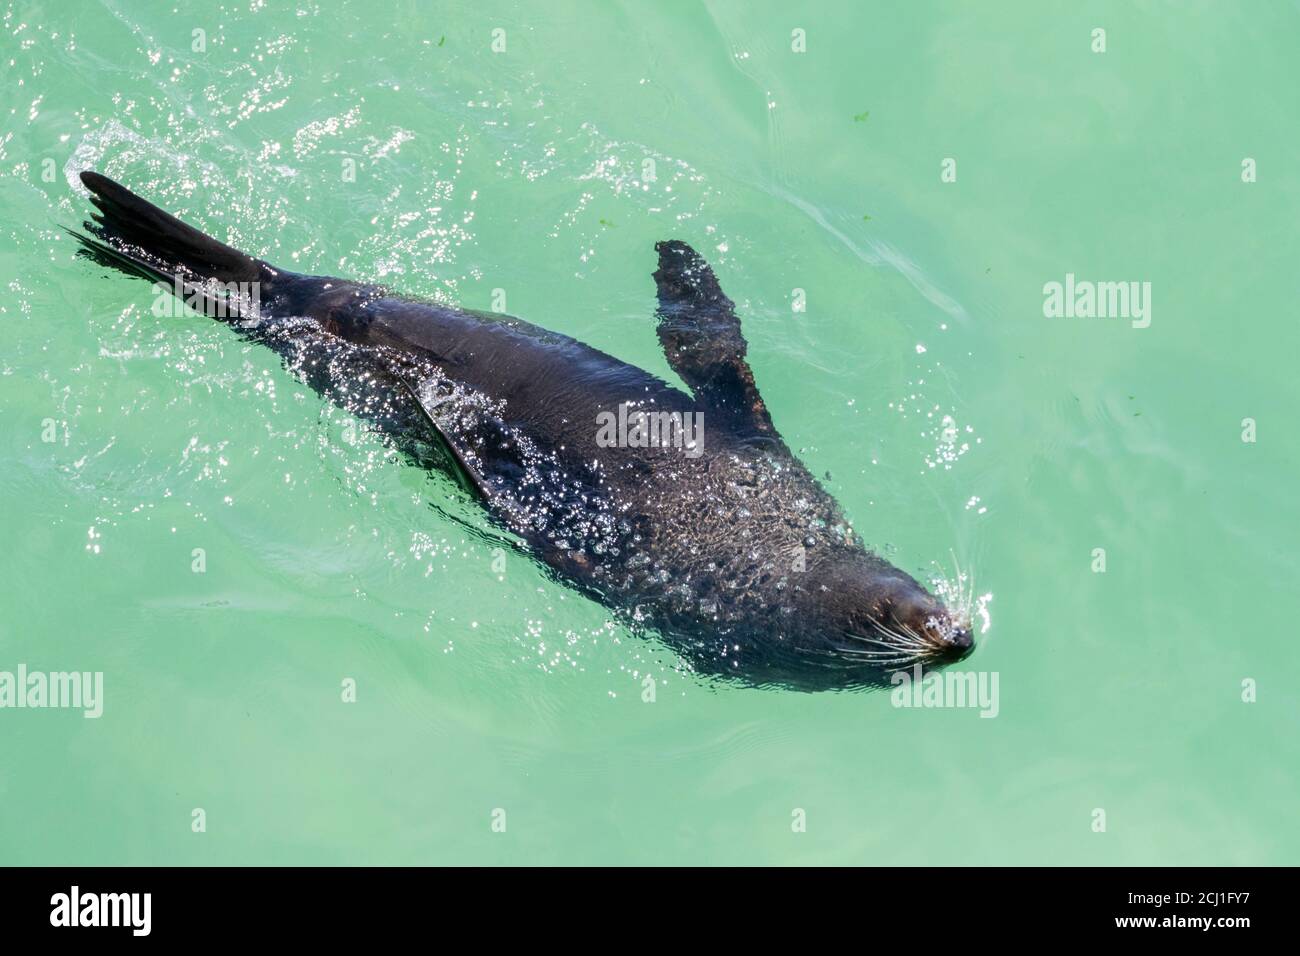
x,y
686,511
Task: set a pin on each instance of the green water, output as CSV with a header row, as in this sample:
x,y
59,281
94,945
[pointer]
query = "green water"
x,y
958,424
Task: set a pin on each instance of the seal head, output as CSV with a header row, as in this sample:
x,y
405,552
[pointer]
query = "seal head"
x,y
888,618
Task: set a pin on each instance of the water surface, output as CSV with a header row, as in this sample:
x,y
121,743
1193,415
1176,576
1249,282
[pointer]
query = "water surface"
x,y
958,426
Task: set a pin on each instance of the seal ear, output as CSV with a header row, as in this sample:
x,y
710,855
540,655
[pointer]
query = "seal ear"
x,y
700,333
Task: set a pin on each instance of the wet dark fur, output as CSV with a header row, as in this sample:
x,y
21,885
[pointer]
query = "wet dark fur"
x,y
738,558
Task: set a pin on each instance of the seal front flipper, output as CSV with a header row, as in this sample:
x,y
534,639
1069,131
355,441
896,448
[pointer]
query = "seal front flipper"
x,y
466,475
700,333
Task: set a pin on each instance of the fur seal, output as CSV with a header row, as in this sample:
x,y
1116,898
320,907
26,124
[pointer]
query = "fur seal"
x,y
688,511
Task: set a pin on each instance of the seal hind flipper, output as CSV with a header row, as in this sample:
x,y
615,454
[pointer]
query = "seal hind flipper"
x,y
146,233
466,475
700,333
134,236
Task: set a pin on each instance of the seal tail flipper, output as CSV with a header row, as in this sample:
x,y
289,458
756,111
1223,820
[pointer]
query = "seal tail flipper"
x,y
700,333
136,237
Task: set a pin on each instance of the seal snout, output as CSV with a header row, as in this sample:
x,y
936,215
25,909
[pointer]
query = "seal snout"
x,y
959,641
945,637
949,641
